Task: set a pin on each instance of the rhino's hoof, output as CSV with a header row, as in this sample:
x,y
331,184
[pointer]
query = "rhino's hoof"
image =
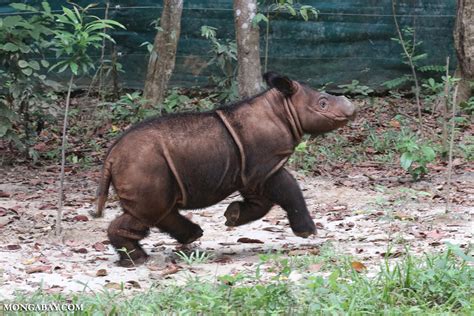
x,y
305,234
196,235
232,214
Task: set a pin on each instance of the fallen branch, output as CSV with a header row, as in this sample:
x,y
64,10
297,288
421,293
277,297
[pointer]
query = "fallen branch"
x,y
450,161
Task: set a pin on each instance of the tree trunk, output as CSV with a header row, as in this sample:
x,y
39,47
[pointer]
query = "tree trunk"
x,y
163,55
249,75
464,42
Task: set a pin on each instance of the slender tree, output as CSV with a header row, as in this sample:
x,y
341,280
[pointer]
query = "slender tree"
x,y
464,42
163,54
248,51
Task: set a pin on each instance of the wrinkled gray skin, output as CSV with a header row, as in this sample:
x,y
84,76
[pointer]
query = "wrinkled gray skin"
x,y
194,160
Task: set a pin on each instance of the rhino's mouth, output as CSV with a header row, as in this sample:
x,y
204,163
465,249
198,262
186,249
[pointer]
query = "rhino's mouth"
x,y
338,118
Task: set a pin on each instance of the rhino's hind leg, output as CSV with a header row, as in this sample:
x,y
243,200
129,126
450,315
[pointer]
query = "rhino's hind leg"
x,y
282,189
124,234
253,207
180,228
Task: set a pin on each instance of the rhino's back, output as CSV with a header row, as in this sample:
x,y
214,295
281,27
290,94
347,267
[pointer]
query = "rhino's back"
x,y
193,152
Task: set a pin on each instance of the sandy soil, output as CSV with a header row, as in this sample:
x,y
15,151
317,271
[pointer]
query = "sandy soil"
x,y
358,214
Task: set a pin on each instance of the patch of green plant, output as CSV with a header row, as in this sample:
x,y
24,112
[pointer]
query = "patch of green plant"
x,y
412,46
175,101
415,155
466,148
224,56
468,106
194,257
24,103
303,158
83,162
437,284
284,264
272,8
126,109
355,88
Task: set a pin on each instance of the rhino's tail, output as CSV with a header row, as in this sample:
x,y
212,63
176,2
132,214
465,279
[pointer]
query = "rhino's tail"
x,y
102,191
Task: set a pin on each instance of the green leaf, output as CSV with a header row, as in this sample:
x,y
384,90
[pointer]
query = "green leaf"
x,y
5,125
74,68
22,63
78,15
291,10
304,13
23,7
258,18
46,7
25,49
44,63
113,23
458,251
27,71
10,47
64,67
429,153
406,160
12,21
70,15
34,64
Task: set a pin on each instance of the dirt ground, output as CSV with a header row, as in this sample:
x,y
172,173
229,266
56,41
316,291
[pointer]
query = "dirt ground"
x,y
360,213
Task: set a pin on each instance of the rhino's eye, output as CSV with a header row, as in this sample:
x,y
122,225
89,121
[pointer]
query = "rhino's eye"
x,y
323,103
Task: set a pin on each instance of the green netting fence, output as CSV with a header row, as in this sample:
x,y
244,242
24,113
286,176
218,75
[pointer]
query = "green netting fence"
x,y
350,39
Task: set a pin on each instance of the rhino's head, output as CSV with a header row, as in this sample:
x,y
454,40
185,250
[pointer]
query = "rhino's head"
x,y
317,112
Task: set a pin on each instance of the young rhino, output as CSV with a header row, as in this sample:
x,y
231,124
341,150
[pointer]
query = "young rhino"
x,y
194,160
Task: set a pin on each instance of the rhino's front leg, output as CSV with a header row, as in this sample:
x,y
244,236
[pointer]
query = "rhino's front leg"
x,y
253,207
282,189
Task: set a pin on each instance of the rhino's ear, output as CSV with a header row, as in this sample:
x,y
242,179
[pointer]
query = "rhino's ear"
x,y
281,83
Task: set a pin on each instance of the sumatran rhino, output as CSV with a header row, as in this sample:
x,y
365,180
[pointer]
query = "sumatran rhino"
x,y
194,160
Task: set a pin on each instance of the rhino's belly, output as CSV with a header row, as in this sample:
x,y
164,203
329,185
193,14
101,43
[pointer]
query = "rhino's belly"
x,y
208,174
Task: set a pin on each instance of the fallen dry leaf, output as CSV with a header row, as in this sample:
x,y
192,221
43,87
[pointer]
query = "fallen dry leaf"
x,y
223,260
404,216
39,269
172,269
273,229
99,246
302,252
394,123
4,194
113,286
13,247
435,234
315,267
358,266
80,250
29,261
395,254
336,217
246,240
134,284
101,272
80,218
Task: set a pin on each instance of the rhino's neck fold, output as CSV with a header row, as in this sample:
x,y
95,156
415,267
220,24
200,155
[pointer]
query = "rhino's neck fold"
x,y
293,119
290,117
